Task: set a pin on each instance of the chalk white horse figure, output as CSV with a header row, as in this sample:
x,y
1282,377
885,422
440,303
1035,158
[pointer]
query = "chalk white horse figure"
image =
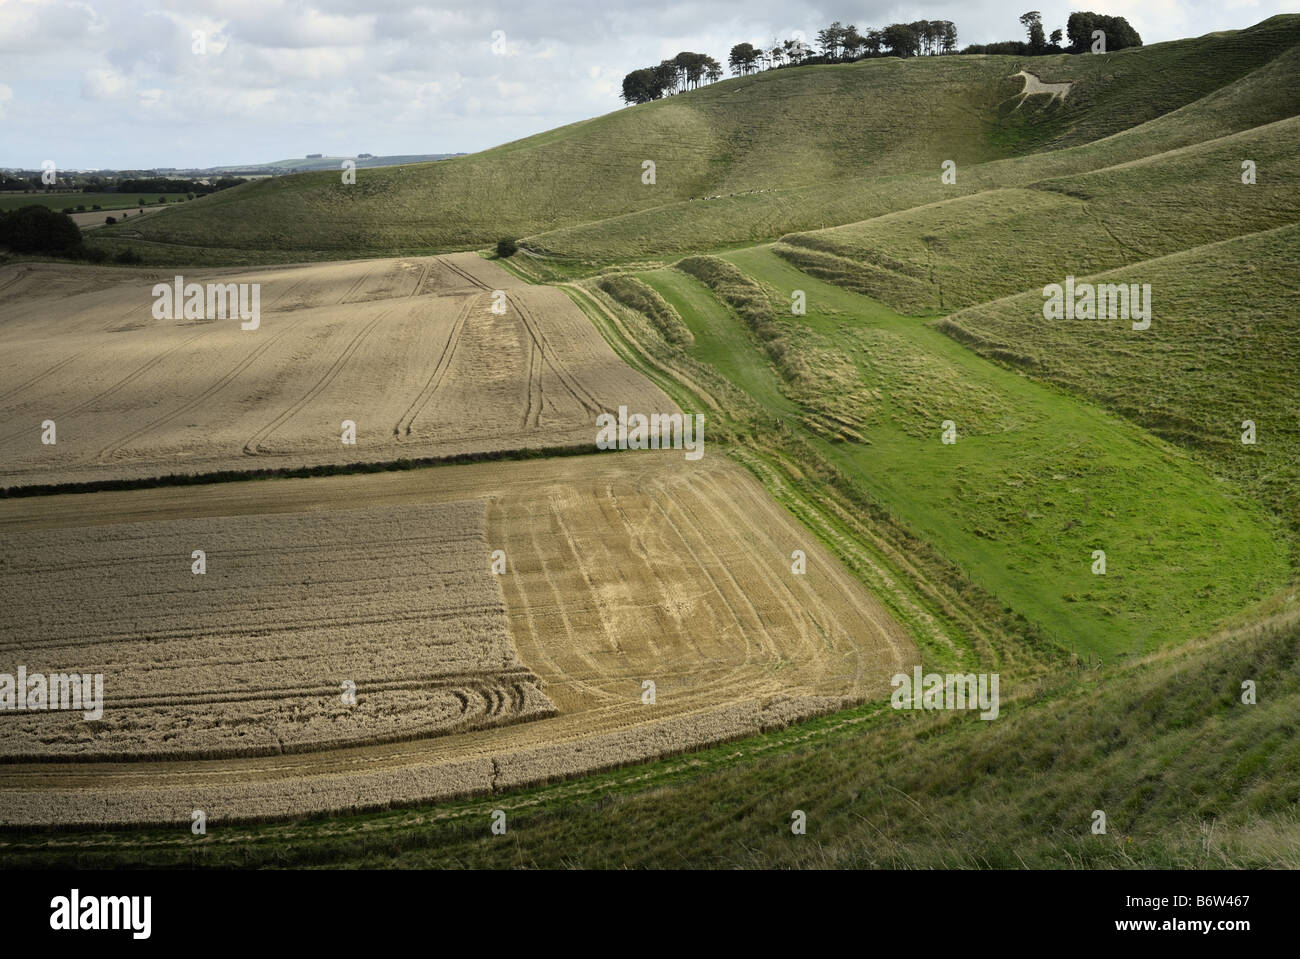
x,y
1034,85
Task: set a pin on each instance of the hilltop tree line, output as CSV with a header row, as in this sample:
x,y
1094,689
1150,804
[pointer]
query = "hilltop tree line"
x,y
686,71
835,44
1078,31
840,44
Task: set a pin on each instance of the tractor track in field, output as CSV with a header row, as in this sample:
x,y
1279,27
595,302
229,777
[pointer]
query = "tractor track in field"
x,y
575,389
124,381
251,445
431,385
212,390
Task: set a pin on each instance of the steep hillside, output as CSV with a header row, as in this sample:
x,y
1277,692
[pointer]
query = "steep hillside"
x,y
794,128
976,248
1266,94
1221,350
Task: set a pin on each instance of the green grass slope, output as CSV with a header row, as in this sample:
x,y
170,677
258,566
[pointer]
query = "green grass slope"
x,y
1036,481
1222,349
777,130
1268,93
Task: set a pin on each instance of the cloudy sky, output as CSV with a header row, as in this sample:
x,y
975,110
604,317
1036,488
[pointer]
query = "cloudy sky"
x,y
118,83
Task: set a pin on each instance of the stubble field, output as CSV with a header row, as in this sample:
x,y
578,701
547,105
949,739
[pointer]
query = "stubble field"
x,y
409,350
621,569
249,655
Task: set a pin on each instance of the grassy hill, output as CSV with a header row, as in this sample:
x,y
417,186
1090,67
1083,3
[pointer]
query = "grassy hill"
x,y
794,129
1222,349
1122,691
1035,482
973,249
1268,93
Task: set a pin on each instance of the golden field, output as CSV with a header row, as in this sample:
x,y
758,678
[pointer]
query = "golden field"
x,y
250,656
621,568
409,350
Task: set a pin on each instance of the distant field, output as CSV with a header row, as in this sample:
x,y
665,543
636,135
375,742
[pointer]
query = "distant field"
x,y
621,568
107,201
408,350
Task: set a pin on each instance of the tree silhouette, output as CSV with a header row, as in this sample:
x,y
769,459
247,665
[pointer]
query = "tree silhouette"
x,y
1033,24
901,39
640,86
950,36
1081,24
743,58
851,42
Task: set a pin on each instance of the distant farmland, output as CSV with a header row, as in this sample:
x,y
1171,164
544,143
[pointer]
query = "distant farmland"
x,y
105,201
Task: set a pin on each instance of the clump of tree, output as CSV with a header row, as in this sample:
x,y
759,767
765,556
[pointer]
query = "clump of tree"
x,y
506,247
1081,24
686,71
38,229
1079,29
42,231
744,59
160,184
836,43
1033,24
842,44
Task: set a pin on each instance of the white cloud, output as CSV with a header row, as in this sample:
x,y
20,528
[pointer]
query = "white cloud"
x,y
105,85
30,27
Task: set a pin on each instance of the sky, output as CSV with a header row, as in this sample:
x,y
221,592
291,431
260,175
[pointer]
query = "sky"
x,y
125,83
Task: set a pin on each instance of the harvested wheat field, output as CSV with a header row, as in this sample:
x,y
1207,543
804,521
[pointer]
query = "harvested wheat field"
x,y
249,656
621,568
409,350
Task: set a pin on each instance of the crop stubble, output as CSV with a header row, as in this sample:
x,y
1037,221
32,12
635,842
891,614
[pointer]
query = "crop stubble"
x,y
622,568
409,349
248,658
